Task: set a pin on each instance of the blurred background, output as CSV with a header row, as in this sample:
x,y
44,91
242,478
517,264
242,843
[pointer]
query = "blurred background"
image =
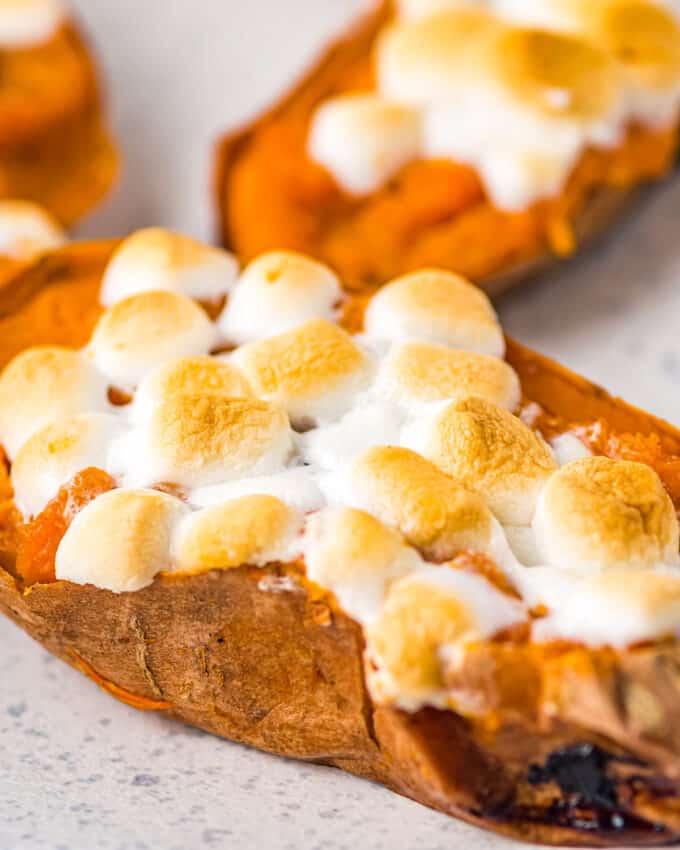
x,y
84,773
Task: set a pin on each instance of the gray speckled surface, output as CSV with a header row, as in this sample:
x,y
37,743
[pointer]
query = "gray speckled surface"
x,y
79,771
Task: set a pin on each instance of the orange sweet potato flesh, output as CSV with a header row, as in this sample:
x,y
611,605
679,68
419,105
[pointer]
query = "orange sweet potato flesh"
x,y
565,745
270,195
54,147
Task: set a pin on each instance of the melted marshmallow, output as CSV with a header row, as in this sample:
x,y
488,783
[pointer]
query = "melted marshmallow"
x,y
27,23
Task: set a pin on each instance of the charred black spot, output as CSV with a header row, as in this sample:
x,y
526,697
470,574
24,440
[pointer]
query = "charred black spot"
x,y
590,800
581,772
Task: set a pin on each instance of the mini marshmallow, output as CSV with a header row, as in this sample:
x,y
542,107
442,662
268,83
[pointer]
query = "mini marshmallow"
x,y
296,487
41,385
28,23
197,440
120,541
490,451
417,373
370,423
277,292
156,259
146,330
53,455
188,376
252,530
435,513
567,447
355,556
429,59
414,9
314,371
26,229
425,617
364,140
596,513
617,609
435,306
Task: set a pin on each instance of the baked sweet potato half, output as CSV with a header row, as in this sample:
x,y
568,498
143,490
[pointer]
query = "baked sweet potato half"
x,y
490,139
55,149
366,533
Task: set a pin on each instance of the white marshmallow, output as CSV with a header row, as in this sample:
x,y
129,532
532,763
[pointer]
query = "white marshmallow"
x,y
27,230
52,456
156,259
277,292
364,140
26,23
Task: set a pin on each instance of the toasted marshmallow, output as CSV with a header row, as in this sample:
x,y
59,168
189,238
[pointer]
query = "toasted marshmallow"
x,y
490,451
277,292
370,423
617,609
252,530
314,372
156,259
53,455
435,306
196,440
415,373
24,23
188,376
146,330
296,487
435,513
567,447
413,9
430,58
641,37
355,556
598,513
26,229
41,385
364,140
120,541
426,616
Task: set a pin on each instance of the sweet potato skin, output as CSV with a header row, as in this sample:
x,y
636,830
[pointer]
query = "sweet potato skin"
x,y
294,200
263,657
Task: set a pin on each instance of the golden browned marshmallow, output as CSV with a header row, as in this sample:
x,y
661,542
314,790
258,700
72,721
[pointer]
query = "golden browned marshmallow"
x,y
640,35
414,373
196,440
254,530
155,259
426,60
146,330
25,23
619,608
435,513
598,513
120,541
364,140
424,618
435,306
188,376
41,385
554,73
26,229
53,455
411,9
643,37
491,451
313,372
276,292
352,554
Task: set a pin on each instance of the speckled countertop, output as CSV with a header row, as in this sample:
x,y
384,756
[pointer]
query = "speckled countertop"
x,y
79,771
